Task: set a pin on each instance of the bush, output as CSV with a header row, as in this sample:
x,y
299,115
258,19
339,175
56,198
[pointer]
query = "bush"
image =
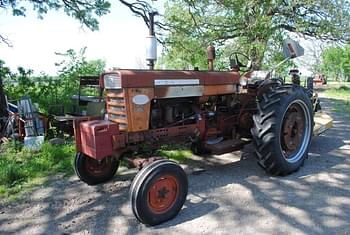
x,y
51,90
11,174
20,168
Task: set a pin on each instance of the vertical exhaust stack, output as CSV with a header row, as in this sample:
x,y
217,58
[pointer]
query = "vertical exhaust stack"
x,y
151,50
211,57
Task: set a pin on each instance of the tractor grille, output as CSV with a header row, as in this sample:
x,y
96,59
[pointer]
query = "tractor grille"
x,y
116,108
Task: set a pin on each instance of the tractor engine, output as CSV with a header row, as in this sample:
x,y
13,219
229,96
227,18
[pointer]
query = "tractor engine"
x,y
182,111
172,112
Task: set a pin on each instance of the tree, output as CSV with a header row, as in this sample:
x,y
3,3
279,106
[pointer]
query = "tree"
x,y
191,55
252,26
4,72
255,26
73,65
46,90
336,63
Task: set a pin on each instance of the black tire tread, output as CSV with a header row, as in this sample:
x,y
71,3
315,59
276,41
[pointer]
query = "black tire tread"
x,y
138,185
263,130
139,179
89,179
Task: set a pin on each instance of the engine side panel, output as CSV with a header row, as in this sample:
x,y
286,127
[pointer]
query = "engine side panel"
x,y
178,91
139,106
220,89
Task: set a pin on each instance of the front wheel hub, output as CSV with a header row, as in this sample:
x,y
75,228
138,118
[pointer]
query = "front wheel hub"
x,y
163,194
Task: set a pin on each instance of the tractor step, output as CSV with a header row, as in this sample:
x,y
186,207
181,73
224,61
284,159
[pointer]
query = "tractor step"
x,y
323,122
226,146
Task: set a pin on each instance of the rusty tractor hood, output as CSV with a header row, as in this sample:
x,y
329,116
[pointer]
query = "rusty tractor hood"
x,y
149,78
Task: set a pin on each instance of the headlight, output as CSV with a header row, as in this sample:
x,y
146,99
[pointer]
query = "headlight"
x,y
112,81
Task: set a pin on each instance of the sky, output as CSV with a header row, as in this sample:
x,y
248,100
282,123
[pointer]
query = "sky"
x,y
120,41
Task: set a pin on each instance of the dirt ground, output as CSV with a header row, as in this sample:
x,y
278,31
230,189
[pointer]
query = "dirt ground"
x,y
228,194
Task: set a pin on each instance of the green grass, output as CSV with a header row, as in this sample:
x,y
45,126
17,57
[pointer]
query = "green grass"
x,y
179,153
174,151
342,92
21,169
337,84
341,95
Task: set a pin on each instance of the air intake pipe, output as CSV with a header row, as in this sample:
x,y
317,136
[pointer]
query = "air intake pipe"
x,y
151,50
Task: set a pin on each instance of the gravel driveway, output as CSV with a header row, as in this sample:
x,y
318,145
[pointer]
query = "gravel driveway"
x,y
228,194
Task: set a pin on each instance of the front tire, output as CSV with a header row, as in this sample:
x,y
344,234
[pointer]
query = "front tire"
x,y
283,129
158,192
92,171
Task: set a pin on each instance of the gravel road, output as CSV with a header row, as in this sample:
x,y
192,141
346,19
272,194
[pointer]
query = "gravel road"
x,y
228,194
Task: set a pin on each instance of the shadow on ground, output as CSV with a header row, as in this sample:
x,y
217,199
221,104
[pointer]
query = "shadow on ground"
x,y
233,196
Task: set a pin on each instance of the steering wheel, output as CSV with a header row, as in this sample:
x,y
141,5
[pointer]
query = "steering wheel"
x,y
239,60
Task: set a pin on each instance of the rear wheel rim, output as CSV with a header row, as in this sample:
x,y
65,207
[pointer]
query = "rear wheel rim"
x,y
295,131
163,194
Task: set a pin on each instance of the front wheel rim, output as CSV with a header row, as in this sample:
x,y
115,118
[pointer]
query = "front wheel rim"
x,y
295,131
163,194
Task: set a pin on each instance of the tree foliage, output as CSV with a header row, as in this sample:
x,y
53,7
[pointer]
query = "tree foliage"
x,y
4,70
253,26
188,26
46,90
336,63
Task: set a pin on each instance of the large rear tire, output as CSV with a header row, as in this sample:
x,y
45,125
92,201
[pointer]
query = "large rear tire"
x,y
158,192
282,129
92,171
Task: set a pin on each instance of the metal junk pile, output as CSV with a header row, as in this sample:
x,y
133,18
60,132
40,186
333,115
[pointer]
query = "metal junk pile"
x,y
21,121
33,126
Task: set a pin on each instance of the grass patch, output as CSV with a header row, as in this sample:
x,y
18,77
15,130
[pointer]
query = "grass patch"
x,y
21,169
342,92
180,156
341,95
174,151
179,153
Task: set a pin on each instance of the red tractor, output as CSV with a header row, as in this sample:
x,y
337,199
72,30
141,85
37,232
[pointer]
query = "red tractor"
x,y
213,110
